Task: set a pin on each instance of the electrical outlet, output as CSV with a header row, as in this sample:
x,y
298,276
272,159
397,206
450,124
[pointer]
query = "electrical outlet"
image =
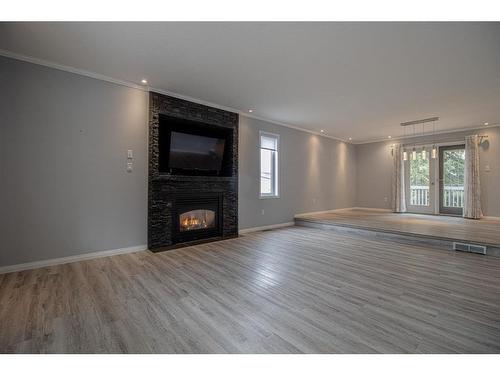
x,y
314,200
487,168
129,167
385,199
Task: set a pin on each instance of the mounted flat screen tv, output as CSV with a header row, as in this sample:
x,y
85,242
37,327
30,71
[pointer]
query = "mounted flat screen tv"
x,y
195,152
194,148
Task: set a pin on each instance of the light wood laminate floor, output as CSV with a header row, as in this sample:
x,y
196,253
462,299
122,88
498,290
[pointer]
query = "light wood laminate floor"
x,y
485,231
293,290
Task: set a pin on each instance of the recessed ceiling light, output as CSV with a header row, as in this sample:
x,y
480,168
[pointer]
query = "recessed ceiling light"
x,y
389,137
486,123
350,138
250,110
322,131
144,81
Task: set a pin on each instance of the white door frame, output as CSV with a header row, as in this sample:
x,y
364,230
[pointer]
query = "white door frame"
x,y
434,198
418,209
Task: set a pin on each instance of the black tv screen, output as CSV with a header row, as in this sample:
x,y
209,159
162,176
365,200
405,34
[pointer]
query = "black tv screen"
x,y
195,152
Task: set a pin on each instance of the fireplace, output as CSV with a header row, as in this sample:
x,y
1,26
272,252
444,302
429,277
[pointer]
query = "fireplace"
x,y
197,216
191,200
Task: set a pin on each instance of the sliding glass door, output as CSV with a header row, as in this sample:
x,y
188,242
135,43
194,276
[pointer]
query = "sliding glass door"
x,y
451,179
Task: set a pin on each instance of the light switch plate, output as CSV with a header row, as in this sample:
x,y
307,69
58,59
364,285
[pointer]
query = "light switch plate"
x,y
130,154
487,168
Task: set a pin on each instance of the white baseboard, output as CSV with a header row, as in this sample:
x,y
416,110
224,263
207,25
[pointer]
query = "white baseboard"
x,y
324,212
70,259
372,209
266,227
389,210
491,217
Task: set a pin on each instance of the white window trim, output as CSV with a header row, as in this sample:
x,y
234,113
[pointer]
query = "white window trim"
x,y
277,192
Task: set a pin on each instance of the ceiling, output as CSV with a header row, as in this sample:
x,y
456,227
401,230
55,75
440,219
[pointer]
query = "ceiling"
x,y
356,80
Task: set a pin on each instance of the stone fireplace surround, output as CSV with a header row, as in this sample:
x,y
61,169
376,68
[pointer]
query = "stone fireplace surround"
x,y
163,189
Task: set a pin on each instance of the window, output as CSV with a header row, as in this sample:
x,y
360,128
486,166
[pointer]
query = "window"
x,y
269,148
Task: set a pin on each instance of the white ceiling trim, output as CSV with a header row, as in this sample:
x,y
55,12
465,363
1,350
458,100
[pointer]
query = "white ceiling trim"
x,y
428,134
101,77
70,69
244,114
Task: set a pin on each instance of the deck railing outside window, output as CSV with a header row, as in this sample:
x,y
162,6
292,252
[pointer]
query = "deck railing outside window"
x,y
419,195
453,196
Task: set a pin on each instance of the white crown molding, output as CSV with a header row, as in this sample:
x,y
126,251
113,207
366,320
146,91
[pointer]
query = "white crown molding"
x,y
70,69
430,134
101,77
70,259
243,113
86,73
295,127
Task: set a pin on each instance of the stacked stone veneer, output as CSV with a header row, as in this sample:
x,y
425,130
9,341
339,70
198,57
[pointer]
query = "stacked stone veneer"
x,y
162,189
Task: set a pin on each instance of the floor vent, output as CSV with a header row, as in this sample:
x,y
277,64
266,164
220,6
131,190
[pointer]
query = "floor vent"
x,y
477,249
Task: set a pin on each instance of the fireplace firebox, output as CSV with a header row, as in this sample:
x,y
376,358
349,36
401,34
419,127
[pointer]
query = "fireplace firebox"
x,y
197,216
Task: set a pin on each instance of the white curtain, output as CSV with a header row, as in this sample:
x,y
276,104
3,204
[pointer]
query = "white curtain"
x,y
472,188
398,180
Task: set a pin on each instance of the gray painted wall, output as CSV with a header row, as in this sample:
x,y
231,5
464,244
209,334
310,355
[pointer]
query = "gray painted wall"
x,y
64,189
374,169
316,174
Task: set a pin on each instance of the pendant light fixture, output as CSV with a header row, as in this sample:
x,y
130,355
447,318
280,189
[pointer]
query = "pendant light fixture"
x,y
424,151
434,148
414,154
405,153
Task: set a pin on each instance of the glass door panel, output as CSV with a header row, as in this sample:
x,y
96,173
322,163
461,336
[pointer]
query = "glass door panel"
x,y
420,182
451,179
